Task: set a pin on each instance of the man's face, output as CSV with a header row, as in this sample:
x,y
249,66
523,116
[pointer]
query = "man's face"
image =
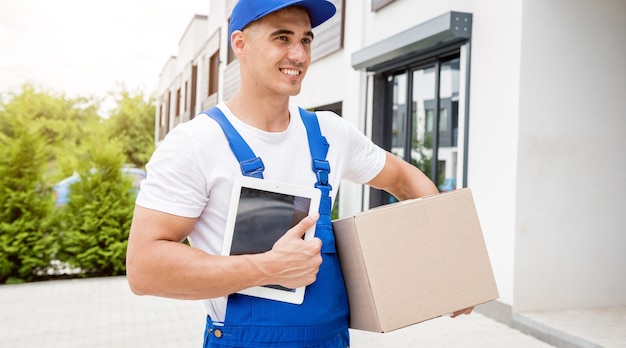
x,y
278,51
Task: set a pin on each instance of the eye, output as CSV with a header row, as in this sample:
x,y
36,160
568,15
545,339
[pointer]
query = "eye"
x,y
282,38
307,40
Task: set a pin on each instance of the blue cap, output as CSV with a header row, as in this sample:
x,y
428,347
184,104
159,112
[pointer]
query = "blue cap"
x,y
248,11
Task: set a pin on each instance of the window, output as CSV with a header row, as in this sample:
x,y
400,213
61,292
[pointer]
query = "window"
x,y
161,115
186,95
420,97
422,116
168,110
330,34
178,100
214,64
194,86
230,55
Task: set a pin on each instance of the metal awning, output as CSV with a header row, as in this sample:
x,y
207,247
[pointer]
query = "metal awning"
x,y
442,30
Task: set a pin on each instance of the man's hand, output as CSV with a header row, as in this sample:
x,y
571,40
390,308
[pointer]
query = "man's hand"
x,y
462,311
296,261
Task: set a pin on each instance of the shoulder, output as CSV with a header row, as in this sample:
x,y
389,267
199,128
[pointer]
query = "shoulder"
x,y
191,144
197,132
335,126
199,125
329,117
330,121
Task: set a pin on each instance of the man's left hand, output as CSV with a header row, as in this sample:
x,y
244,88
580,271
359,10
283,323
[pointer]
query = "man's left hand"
x,y
462,311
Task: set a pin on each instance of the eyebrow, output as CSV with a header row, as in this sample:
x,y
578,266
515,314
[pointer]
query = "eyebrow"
x,y
289,32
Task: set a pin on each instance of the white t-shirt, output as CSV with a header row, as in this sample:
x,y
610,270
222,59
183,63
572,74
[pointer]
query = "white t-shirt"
x,y
190,174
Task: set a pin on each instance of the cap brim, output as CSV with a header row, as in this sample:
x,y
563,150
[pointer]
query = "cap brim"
x,y
319,11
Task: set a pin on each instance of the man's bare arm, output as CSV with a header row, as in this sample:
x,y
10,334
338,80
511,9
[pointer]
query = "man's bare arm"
x,y
159,264
403,180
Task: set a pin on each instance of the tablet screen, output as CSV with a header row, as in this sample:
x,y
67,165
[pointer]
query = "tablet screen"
x,y
263,217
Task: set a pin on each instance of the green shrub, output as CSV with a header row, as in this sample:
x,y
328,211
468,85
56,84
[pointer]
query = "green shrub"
x,y
95,223
25,204
44,137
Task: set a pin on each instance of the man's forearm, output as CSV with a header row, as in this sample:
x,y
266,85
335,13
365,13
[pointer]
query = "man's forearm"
x,y
175,270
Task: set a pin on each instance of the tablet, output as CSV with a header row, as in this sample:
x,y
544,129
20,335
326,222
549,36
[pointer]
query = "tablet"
x,y
260,212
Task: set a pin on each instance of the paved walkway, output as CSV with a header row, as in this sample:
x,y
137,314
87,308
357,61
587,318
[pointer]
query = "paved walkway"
x,y
102,312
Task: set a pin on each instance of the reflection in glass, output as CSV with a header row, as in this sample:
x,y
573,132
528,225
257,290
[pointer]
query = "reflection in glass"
x,y
424,129
436,114
398,118
423,118
447,149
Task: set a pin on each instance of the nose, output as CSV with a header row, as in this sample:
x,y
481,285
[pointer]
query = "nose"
x,y
299,52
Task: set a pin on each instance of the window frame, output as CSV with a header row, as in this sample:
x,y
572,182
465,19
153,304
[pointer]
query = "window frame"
x,y
428,43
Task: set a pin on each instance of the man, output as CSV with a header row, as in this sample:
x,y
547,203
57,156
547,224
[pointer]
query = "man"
x,y
187,192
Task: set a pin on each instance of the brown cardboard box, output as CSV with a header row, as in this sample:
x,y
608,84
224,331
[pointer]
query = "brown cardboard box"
x,y
415,260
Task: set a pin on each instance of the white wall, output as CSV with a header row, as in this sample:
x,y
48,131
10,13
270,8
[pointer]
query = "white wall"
x,y
192,40
571,197
217,16
493,121
168,74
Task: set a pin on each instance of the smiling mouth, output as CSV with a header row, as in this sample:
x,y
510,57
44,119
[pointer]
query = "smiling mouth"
x,y
290,72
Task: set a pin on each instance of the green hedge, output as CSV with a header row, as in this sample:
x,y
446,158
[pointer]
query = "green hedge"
x,y
88,235
93,226
26,237
44,137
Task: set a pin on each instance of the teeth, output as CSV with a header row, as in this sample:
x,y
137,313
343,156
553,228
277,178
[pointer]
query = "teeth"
x,y
290,72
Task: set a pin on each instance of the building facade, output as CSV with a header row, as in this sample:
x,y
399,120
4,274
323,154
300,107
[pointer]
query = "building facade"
x,y
521,100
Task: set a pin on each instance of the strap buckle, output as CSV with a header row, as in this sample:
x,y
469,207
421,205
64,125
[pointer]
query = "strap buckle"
x,y
321,168
253,167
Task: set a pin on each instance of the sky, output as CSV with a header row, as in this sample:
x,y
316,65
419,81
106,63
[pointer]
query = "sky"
x,y
90,47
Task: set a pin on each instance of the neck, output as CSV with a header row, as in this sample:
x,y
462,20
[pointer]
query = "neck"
x,y
262,112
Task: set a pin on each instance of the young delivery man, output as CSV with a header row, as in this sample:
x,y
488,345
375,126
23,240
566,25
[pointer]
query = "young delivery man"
x,y
187,192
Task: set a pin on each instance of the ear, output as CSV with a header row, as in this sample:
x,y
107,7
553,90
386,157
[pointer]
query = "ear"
x,y
238,42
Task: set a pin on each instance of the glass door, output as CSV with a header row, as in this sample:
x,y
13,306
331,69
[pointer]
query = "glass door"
x,y
423,119
447,121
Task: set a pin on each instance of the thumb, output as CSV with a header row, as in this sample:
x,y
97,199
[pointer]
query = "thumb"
x,y
300,229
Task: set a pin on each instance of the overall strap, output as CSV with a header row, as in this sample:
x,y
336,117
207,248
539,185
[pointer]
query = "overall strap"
x,y
318,145
250,164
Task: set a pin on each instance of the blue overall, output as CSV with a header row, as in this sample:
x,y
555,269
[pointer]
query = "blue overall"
x,y
322,319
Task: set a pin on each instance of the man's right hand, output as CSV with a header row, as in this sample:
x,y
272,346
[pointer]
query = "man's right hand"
x,y
295,262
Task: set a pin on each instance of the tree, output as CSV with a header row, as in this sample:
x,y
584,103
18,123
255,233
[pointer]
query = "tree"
x,y
64,122
44,137
25,203
96,220
132,123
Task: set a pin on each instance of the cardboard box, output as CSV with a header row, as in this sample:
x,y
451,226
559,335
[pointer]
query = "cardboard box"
x,y
415,260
